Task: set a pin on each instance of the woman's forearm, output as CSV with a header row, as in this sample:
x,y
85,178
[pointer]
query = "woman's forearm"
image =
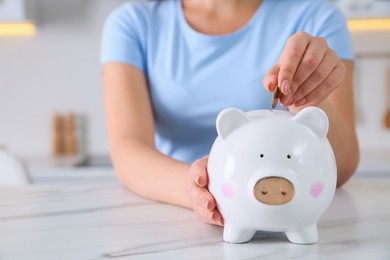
x,y
343,140
149,173
138,165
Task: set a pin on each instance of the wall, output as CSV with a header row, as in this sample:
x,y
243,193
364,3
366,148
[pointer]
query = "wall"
x,y
57,70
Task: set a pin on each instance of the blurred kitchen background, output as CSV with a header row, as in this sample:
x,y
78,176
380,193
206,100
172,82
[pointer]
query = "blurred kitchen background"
x,y
50,80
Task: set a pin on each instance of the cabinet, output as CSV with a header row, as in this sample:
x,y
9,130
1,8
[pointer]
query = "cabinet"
x,y
13,10
72,175
372,98
364,8
53,171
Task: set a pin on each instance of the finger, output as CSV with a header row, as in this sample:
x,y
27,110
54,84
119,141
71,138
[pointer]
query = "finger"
x,y
325,88
311,59
201,197
199,172
285,100
204,205
290,59
324,69
270,79
213,217
217,217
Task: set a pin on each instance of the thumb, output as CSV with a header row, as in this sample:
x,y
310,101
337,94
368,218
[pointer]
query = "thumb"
x,y
199,169
270,79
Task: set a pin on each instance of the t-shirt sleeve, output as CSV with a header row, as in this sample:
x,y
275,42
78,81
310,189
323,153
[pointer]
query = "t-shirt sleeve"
x,y
122,39
331,24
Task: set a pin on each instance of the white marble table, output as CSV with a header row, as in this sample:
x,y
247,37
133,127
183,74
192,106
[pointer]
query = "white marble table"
x,y
106,221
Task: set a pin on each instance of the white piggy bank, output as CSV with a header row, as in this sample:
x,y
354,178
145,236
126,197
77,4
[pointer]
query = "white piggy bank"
x,y
272,171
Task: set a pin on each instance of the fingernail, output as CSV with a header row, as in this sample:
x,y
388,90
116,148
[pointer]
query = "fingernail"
x,y
197,180
300,102
290,102
213,216
268,86
207,204
285,87
285,100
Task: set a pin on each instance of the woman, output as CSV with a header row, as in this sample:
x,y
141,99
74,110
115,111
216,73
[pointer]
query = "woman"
x,y
170,66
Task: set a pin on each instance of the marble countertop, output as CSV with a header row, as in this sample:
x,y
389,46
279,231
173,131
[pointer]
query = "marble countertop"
x,y
107,221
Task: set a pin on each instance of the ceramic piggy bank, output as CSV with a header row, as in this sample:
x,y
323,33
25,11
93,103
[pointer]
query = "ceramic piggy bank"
x,y
272,171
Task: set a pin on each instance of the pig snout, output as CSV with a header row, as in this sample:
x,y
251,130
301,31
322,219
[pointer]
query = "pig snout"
x,y
274,190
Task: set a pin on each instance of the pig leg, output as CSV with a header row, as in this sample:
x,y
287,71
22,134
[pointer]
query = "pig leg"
x,y
304,235
235,234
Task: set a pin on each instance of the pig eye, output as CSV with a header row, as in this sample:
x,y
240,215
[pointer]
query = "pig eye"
x,y
261,155
288,156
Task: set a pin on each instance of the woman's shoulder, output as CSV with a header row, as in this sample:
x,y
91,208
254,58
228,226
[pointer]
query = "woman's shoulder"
x,y
306,14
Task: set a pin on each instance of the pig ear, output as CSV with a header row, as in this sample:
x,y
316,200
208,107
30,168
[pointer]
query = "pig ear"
x,y
315,119
229,119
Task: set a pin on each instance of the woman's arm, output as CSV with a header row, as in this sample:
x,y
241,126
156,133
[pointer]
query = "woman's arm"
x,y
138,165
340,109
311,74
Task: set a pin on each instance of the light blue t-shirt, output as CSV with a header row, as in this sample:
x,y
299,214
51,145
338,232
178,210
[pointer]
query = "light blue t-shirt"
x,y
193,76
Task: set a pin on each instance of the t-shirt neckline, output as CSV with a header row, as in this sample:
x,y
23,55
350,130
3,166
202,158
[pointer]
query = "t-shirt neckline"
x,y
188,30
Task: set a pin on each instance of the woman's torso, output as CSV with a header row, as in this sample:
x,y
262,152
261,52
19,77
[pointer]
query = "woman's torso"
x,y
193,76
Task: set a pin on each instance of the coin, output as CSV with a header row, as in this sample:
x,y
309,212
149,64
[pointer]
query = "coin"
x,y
275,96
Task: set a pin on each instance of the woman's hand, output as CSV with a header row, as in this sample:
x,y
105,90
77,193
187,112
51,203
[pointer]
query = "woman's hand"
x,y
202,201
307,71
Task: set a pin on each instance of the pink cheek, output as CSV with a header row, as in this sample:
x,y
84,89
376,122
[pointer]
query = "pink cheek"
x,y
228,190
316,189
